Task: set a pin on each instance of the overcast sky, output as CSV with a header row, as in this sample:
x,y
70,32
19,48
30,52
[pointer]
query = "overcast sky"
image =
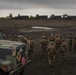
x,y
33,7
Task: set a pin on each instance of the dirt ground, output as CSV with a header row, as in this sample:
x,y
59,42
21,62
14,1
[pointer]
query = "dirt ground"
x,y
39,65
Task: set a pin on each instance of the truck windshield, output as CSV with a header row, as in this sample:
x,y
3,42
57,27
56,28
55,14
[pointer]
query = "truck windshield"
x,y
4,53
22,50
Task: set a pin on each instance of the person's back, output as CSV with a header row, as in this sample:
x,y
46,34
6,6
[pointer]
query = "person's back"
x,y
63,49
70,42
57,40
74,43
63,45
43,42
43,36
60,36
31,48
51,50
70,38
31,42
52,38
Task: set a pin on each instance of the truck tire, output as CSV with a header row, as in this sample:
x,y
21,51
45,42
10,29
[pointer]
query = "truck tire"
x,y
18,73
21,72
3,73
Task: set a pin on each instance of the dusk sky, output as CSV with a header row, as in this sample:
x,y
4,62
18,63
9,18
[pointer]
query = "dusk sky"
x,y
33,7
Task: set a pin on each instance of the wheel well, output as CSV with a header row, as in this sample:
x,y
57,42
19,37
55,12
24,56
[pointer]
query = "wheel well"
x,y
1,70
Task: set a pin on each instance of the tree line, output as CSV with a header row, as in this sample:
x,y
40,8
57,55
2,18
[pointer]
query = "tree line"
x,y
52,17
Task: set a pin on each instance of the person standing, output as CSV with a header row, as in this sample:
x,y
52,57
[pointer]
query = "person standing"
x,y
74,44
43,44
58,42
31,49
70,42
52,37
62,50
51,52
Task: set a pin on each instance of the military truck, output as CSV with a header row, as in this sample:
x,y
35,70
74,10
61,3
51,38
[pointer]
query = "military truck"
x,y
13,57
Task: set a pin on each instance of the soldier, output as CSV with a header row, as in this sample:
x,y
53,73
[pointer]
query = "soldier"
x,y
15,38
10,37
74,43
63,49
60,36
31,51
58,42
52,42
43,44
26,41
56,35
51,51
19,38
43,35
70,42
52,37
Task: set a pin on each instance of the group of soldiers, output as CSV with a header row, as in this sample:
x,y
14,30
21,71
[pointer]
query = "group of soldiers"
x,y
29,42
55,44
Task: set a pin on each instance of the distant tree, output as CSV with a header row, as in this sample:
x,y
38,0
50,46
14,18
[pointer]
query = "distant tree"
x,y
52,16
18,15
37,15
65,15
10,15
31,17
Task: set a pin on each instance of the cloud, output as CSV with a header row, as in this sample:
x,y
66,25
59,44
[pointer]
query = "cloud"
x,y
33,7
23,4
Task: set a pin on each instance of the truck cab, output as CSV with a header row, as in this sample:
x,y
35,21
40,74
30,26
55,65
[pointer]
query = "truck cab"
x,y
13,57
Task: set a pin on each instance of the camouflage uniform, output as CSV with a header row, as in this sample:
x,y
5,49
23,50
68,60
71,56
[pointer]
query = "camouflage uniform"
x,y
51,51
52,42
31,51
19,39
10,37
43,44
15,37
60,36
70,42
52,37
43,36
74,44
62,49
23,40
26,41
56,35
58,42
